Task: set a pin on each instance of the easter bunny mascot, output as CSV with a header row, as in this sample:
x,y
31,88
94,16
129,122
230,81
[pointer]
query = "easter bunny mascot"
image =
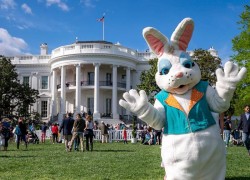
x,y
192,148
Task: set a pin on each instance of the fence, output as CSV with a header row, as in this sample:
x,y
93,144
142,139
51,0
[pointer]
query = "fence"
x,y
114,135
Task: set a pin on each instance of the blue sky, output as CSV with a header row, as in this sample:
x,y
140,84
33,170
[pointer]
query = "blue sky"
x,y
25,24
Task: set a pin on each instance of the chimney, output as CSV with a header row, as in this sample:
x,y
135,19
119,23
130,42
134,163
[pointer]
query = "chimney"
x,y
44,49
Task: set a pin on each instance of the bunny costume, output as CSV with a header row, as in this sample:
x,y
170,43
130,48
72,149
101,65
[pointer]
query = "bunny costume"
x,y
192,148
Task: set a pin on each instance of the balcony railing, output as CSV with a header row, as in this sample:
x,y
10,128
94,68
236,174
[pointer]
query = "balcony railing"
x,y
92,83
87,83
121,85
105,83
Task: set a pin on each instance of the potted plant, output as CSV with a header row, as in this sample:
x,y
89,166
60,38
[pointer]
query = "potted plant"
x,y
134,133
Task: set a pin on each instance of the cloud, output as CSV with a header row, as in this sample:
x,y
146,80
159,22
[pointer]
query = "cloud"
x,y
9,45
59,3
26,9
7,4
88,3
234,8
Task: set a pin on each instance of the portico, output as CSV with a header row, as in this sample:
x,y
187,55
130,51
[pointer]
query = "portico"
x,y
75,90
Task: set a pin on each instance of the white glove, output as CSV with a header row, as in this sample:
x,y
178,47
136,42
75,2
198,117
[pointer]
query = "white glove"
x,y
138,104
227,80
231,75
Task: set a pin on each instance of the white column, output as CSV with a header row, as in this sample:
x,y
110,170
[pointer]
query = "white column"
x,y
34,86
96,113
62,101
114,93
39,84
128,79
128,84
53,93
78,88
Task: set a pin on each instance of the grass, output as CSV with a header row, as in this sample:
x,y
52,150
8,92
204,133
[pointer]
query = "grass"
x,y
107,162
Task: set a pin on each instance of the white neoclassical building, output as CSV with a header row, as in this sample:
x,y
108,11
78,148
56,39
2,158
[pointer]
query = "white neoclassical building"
x,y
86,76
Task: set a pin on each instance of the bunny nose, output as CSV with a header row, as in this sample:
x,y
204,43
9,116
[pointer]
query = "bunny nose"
x,y
179,74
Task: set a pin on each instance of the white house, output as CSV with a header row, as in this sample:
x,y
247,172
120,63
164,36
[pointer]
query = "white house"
x,y
86,76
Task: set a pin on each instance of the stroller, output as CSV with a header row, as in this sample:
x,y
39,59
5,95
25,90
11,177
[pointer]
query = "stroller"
x,y
236,138
32,138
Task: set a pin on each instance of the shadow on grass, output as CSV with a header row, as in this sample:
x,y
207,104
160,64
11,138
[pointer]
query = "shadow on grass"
x,y
238,178
111,150
29,149
15,156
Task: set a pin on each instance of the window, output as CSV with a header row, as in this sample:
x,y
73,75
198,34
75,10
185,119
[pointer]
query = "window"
x,y
44,109
106,47
91,78
123,78
88,46
108,79
26,80
90,106
108,106
44,82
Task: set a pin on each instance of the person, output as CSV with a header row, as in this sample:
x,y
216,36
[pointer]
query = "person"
x,y
147,138
21,132
77,143
5,131
78,128
245,126
221,124
54,130
88,132
29,137
104,132
158,136
124,134
143,135
1,139
67,126
32,127
219,120
227,130
43,130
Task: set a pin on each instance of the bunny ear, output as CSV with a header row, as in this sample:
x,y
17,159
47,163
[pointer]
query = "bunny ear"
x,y
182,34
155,40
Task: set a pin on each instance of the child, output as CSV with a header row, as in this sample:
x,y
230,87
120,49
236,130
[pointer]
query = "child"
x,y
124,133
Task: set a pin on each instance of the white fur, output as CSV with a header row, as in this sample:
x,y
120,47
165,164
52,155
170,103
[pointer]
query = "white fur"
x,y
196,155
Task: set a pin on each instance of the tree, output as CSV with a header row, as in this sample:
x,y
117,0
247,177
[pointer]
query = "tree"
x,y
148,83
13,94
207,63
8,84
26,97
241,47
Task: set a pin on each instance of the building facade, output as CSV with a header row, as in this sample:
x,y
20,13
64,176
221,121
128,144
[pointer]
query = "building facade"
x,y
86,76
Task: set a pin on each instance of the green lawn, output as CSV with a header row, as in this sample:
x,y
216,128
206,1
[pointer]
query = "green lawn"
x,y
107,161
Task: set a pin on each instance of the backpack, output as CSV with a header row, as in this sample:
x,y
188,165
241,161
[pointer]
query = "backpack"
x,y
18,131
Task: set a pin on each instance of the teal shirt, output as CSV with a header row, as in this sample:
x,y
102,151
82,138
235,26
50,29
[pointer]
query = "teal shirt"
x,y
198,118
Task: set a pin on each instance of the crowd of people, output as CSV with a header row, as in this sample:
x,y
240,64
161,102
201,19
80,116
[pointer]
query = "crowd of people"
x,y
78,133
74,132
18,133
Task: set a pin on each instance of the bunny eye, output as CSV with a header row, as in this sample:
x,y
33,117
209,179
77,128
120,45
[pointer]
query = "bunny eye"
x,y
164,71
186,60
187,64
164,66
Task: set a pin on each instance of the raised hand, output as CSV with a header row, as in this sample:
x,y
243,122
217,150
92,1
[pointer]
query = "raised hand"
x,y
134,102
231,75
